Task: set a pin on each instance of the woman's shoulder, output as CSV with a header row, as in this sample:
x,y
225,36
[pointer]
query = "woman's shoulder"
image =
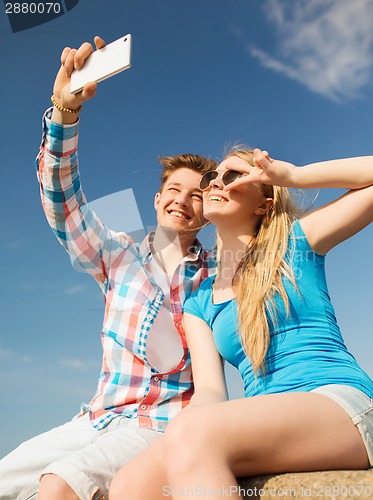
x,y
298,241
202,295
207,283
296,229
205,288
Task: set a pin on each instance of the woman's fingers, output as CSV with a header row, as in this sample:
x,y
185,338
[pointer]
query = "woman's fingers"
x,y
261,158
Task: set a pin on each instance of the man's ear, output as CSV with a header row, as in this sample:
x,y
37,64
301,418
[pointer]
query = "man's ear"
x,y
264,207
157,198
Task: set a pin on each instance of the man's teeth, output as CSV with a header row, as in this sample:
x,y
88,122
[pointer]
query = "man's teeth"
x,y
216,198
178,214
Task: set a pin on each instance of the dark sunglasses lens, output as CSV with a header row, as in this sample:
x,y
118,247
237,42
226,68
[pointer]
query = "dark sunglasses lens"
x,y
230,176
207,178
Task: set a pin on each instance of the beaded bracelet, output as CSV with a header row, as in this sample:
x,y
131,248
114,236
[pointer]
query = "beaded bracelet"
x,y
59,106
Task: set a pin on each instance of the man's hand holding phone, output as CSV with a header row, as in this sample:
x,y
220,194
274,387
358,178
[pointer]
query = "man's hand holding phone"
x,y
82,69
73,59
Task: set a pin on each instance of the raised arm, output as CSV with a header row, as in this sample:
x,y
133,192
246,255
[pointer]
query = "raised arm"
x,y
348,173
329,225
89,243
207,365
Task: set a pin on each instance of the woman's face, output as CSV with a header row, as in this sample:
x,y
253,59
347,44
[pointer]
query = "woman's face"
x,y
236,206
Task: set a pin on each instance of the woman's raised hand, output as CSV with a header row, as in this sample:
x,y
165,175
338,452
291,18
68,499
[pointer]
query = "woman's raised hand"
x,y
266,170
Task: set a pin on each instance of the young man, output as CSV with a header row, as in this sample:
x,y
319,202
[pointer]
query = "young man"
x,y
146,377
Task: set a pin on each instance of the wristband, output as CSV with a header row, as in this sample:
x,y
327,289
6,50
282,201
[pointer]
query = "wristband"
x,y
59,106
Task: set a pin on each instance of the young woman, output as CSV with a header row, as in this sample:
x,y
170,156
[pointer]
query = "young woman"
x,y
308,405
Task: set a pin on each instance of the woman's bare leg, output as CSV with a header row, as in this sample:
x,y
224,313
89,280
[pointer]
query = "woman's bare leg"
x,y
53,487
143,477
211,445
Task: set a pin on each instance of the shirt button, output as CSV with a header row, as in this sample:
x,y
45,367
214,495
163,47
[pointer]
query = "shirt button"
x,y
143,407
156,379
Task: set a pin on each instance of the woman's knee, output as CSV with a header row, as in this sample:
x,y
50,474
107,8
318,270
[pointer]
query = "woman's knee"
x,y
188,438
188,427
134,483
139,477
119,485
53,487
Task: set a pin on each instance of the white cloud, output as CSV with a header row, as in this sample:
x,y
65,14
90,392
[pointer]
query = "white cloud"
x,y
25,359
75,289
326,45
77,364
70,363
12,245
4,353
13,356
39,287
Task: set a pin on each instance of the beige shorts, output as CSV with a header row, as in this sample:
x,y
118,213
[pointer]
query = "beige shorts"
x,y
360,408
84,457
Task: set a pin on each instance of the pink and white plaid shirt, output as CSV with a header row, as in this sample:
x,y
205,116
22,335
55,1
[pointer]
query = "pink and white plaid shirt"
x,y
128,385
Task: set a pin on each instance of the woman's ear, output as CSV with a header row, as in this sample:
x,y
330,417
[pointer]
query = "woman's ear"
x,y
265,207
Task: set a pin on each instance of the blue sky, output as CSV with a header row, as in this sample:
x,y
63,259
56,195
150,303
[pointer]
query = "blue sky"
x,y
291,77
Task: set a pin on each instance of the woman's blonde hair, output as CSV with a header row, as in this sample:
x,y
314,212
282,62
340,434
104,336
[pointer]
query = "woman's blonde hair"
x,y
259,274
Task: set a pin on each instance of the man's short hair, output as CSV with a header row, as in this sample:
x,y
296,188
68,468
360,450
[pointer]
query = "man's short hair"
x,y
194,162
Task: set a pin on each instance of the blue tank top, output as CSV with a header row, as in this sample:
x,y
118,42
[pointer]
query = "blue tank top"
x,y
306,347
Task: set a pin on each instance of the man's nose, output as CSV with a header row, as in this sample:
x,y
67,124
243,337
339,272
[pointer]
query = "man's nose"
x,y
182,199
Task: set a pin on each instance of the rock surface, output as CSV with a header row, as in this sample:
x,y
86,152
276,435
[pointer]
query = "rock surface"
x,y
331,485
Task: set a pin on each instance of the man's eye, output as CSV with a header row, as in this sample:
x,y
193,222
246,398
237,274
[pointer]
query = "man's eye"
x,y
198,196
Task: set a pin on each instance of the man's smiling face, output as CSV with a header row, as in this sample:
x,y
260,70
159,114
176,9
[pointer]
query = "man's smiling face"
x,y
179,205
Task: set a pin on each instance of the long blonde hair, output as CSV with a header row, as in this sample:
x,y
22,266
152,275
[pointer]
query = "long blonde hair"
x,y
259,274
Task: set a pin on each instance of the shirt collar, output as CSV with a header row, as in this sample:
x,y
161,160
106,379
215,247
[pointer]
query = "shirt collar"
x,y
146,252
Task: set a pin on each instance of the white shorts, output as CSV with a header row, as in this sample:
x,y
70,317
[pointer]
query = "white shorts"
x,y
84,457
360,408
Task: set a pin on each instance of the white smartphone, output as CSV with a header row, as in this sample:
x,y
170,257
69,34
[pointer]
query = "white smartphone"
x,y
103,63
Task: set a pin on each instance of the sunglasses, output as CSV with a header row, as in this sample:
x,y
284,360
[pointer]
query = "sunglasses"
x,y
227,177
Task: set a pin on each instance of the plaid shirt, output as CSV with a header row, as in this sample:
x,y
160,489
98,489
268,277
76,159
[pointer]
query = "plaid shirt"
x,y
128,385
